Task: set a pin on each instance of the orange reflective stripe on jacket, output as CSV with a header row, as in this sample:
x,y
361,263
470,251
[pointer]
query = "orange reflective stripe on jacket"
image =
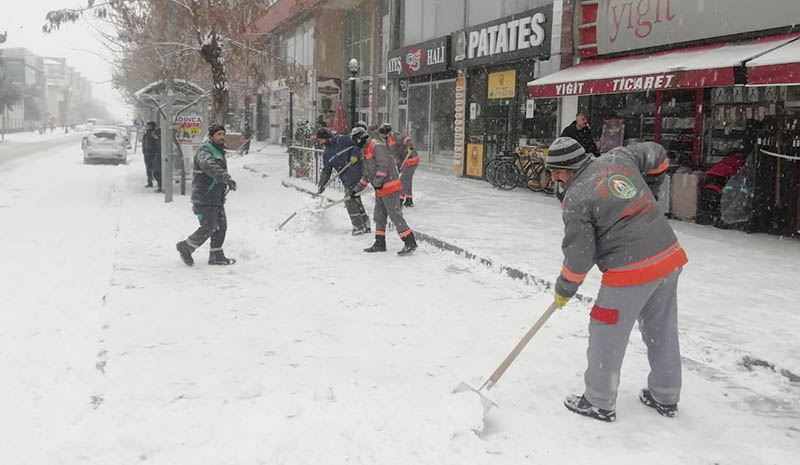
x,y
411,162
570,276
368,150
648,270
661,168
390,140
390,188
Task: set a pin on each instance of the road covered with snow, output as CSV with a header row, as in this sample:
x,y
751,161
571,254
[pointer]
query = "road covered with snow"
x,y
307,351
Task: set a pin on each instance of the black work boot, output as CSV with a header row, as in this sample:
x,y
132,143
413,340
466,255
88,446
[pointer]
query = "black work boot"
x,y
378,246
186,252
581,406
667,410
409,245
217,257
409,202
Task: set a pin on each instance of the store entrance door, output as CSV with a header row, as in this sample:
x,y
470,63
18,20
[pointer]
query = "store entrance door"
x,y
500,124
431,123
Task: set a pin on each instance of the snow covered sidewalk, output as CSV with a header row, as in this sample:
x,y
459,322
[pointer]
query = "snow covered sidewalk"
x,y
739,291
308,351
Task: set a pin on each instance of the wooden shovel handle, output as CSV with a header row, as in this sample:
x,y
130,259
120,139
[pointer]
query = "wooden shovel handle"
x,y
521,345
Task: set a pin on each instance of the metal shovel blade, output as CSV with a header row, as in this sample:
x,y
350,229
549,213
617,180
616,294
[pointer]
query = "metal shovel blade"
x,y
485,401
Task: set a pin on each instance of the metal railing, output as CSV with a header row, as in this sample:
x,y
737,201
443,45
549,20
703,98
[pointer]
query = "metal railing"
x,y
306,163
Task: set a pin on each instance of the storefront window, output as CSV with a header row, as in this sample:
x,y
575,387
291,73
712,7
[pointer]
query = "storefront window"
x,y
442,104
449,17
419,104
636,109
430,121
481,11
413,21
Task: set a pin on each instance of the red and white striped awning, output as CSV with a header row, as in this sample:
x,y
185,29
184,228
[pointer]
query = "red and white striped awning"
x,y
778,67
706,66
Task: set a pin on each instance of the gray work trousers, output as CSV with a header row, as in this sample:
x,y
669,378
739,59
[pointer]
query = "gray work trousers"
x,y
213,224
407,178
389,206
355,208
655,306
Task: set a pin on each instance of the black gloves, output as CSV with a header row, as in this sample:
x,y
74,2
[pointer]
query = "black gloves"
x,y
232,184
358,188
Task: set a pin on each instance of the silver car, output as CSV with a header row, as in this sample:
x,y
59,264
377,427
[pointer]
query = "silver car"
x,y
105,144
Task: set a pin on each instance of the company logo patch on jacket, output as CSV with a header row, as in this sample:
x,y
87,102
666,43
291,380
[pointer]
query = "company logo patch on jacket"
x,y
621,187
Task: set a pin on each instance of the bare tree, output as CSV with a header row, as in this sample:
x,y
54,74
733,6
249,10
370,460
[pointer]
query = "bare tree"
x,y
209,31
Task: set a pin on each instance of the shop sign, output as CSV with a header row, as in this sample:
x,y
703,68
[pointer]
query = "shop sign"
x,y
460,124
503,84
524,35
624,25
188,129
475,160
665,81
329,86
530,106
427,57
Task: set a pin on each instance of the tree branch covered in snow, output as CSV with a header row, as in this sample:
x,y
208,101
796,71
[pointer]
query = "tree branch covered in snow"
x,y
134,31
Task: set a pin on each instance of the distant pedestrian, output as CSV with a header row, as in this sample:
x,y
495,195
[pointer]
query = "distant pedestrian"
x,y
581,132
405,156
211,181
611,219
380,170
247,134
156,160
149,149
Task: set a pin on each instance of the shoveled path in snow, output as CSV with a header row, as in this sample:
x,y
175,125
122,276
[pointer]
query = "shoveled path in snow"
x,y
306,351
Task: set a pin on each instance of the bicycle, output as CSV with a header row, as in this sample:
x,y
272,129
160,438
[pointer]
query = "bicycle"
x,y
490,167
514,170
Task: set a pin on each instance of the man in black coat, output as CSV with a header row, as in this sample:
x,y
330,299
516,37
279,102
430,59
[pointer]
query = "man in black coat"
x,y
210,184
150,149
580,131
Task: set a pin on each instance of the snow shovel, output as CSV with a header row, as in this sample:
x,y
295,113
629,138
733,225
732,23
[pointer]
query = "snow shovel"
x,y
314,196
319,209
489,383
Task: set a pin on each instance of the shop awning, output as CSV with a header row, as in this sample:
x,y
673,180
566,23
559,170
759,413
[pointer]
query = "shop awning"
x,y
706,66
780,66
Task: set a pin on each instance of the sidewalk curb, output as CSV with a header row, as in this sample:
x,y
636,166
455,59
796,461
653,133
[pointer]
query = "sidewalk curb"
x,y
444,245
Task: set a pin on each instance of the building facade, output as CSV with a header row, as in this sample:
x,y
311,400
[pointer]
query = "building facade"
x,y
705,80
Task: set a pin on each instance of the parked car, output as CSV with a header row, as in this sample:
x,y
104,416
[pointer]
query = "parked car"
x,y
81,127
105,144
126,133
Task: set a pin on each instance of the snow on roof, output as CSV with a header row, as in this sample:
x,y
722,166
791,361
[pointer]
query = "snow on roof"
x,y
789,53
180,85
699,58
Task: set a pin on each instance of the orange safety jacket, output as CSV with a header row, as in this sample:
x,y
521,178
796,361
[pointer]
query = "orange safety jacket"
x,y
380,169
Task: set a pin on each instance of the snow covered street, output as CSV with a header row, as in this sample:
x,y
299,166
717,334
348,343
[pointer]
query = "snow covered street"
x,y
308,351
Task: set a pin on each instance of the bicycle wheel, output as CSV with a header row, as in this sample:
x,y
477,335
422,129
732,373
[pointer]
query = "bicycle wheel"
x,y
546,181
491,169
507,176
532,177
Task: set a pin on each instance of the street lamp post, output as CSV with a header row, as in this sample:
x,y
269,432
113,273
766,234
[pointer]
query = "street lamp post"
x,y
353,67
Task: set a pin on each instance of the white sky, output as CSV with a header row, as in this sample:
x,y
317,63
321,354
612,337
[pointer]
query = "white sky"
x,y
75,42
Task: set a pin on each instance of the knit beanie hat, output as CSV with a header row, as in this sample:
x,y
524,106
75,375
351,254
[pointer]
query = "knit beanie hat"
x,y
215,128
566,153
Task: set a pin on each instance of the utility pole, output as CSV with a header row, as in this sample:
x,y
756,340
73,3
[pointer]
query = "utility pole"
x,y
167,136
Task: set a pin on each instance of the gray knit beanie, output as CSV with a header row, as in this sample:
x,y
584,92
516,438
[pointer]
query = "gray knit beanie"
x,y
566,153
